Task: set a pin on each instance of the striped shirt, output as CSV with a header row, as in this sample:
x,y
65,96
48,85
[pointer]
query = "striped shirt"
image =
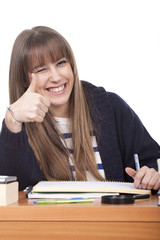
x,y
65,127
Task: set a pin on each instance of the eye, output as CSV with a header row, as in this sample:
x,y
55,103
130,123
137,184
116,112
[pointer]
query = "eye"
x,y
62,62
41,70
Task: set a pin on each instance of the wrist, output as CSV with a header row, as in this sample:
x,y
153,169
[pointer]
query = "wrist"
x,y
12,124
12,114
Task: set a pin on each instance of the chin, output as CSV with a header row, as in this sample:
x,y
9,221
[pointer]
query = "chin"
x,y
58,103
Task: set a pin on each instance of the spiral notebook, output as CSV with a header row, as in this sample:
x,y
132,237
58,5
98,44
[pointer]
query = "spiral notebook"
x,y
87,187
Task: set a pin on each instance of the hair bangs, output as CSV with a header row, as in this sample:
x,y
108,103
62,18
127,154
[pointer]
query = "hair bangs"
x,y
45,52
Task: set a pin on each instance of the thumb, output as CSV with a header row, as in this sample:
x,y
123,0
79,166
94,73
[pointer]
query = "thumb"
x,y
33,84
130,171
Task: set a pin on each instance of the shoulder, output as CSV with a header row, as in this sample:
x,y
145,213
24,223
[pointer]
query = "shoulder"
x,y
91,89
100,96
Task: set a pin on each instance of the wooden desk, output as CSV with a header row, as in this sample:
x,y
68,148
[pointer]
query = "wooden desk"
x,y
26,221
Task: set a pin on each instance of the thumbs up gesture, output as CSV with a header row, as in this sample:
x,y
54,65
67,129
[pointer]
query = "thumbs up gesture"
x,y
31,106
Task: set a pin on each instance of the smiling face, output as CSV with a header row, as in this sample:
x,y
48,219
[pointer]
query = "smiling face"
x,y
55,81
49,57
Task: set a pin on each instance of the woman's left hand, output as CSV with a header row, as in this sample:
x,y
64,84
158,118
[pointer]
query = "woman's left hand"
x,y
145,178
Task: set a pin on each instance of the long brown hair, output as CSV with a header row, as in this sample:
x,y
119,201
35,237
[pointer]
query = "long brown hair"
x,y
45,138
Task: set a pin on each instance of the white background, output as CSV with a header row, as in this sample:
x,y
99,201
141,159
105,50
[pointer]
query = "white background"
x,y
116,45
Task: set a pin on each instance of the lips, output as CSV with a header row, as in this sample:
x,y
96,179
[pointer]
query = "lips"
x,y
57,89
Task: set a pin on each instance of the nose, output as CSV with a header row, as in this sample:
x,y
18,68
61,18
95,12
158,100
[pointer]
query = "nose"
x,y
55,75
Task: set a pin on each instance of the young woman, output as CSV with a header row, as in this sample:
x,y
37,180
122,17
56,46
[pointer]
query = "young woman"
x,y
60,128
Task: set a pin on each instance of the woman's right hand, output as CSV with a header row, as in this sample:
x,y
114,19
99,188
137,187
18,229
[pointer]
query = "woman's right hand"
x,y
30,107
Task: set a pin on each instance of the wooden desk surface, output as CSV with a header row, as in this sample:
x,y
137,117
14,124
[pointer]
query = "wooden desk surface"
x,y
26,220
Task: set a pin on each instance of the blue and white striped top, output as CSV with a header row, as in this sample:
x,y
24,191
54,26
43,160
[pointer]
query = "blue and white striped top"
x,y
65,127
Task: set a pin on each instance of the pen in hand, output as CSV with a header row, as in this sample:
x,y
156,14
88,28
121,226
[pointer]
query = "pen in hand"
x,y
136,159
131,171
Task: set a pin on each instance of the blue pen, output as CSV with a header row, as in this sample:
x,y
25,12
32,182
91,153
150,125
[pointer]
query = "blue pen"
x,y
136,159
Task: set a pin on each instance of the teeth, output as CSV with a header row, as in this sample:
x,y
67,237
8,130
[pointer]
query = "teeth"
x,y
55,90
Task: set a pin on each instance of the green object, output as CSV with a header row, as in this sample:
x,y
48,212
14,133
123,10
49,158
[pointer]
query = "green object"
x,y
78,200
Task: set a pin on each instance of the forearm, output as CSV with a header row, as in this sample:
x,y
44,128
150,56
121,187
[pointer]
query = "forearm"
x,y
17,158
